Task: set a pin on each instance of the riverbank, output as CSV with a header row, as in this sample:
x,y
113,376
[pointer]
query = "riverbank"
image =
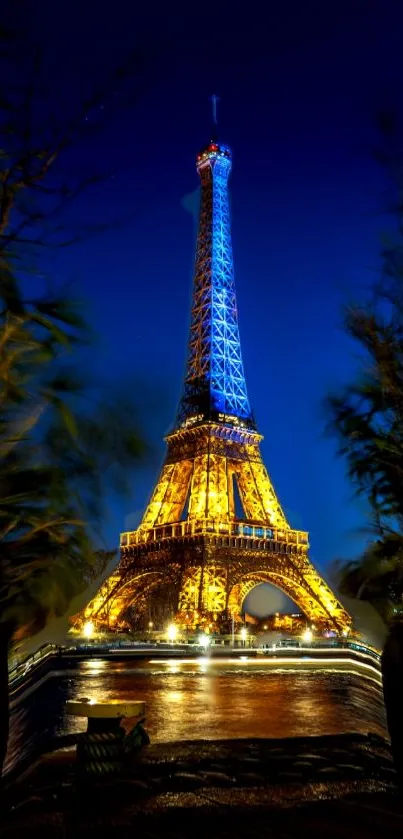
x,y
340,785
31,673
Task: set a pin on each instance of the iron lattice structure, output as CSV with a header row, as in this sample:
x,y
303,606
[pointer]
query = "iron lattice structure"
x,y
215,380
191,546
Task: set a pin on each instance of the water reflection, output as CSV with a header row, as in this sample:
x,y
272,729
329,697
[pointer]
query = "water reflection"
x,y
188,700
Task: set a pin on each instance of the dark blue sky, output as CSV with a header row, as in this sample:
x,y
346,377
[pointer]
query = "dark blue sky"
x,y
299,83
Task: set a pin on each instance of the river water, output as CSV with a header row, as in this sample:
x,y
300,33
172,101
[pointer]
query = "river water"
x,y
190,700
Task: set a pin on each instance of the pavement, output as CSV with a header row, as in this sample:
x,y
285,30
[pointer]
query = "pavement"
x,y
333,786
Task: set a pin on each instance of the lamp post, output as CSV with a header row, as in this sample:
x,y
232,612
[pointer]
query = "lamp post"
x,y
172,632
88,630
204,641
244,635
307,636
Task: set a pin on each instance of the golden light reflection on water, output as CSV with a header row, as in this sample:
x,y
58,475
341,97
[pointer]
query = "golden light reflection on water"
x,y
174,667
95,666
209,699
175,696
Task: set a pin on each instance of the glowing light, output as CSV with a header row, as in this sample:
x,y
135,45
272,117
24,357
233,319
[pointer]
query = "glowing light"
x,y
307,635
88,629
244,633
150,624
265,627
204,640
172,632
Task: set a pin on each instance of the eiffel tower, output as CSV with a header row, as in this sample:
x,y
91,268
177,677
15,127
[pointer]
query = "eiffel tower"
x,y
191,546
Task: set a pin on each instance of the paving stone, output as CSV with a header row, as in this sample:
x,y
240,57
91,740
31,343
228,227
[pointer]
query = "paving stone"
x,y
302,764
388,770
251,779
277,760
290,776
158,782
218,778
185,781
350,767
218,767
253,761
141,786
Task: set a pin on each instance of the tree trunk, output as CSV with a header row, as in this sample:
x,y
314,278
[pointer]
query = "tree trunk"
x,y
4,693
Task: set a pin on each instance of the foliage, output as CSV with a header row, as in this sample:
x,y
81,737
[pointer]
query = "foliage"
x,y
63,444
59,452
366,416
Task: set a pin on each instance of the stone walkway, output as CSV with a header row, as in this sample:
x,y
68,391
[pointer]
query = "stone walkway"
x,y
330,786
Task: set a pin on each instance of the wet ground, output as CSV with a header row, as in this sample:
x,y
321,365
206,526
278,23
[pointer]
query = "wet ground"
x,y
335,786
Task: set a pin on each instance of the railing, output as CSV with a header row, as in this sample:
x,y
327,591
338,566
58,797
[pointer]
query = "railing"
x,y
18,667
207,527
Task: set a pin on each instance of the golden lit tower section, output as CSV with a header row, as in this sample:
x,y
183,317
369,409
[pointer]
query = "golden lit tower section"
x,y
214,527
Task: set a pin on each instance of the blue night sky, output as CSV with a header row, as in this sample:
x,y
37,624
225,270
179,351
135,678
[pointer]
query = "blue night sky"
x,y
300,83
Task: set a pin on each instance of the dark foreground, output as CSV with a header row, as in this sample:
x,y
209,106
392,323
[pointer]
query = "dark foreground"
x,y
332,786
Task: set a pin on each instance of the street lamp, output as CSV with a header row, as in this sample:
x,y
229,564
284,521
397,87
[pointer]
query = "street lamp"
x,y
244,634
172,632
150,625
88,629
307,636
204,640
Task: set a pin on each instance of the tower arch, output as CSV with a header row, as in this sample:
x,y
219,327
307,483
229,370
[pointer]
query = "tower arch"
x,y
307,602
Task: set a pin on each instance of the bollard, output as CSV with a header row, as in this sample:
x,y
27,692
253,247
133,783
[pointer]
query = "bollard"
x,y
106,748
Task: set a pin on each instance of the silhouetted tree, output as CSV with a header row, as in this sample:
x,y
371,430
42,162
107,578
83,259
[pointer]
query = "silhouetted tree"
x,y
63,443
367,415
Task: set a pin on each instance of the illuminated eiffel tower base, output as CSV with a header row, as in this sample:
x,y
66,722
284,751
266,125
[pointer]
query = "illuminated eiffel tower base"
x,y
191,548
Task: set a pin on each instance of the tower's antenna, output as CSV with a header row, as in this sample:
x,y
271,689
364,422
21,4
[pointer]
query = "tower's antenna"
x,y
214,100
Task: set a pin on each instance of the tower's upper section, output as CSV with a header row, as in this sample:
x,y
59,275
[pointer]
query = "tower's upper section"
x,y
215,387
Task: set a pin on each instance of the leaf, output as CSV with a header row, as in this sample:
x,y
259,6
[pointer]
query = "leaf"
x,y
69,419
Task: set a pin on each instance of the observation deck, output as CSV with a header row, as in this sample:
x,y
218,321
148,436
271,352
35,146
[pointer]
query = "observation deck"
x,y
203,527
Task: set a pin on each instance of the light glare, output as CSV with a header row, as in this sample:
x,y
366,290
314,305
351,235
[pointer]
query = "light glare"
x,y
172,632
88,629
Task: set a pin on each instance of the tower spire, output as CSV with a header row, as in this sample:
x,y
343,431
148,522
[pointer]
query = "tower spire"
x,y
214,99
215,386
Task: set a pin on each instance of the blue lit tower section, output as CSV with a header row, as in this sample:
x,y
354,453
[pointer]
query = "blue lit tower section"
x,y
215,387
